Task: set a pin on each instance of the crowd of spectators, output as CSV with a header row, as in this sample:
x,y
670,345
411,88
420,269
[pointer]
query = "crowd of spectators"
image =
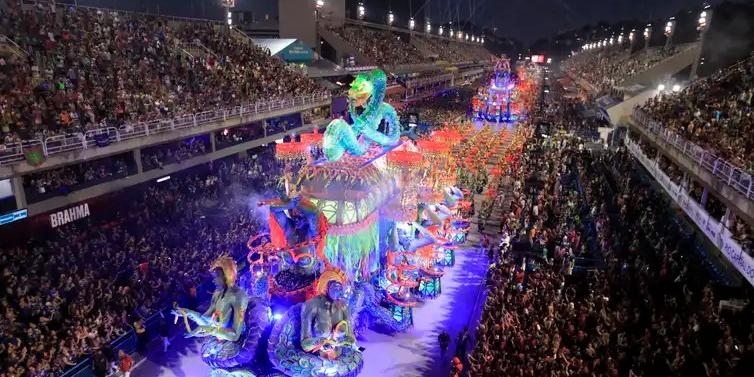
x,y
383,47
608,286
741,231
607,68
456,52
158,156
447,107
87,68
61,181
714,113
391,48
73,291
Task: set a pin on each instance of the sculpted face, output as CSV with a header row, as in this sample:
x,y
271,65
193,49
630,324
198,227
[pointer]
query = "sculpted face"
x,y
218,277
334,291
361,90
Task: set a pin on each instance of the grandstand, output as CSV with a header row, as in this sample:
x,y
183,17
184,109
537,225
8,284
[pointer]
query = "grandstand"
x,y
691,133
135,147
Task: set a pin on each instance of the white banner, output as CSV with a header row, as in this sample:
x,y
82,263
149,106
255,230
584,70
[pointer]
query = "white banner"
x,y
713,229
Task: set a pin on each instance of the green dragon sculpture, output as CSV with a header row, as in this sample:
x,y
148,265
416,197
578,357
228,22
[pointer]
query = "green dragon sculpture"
x,y
367,92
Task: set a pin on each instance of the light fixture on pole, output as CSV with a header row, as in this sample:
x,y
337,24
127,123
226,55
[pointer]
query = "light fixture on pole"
x,y
411,24
669,31
427,26
390,17
647,35
704,17
320,3
361,11
440,31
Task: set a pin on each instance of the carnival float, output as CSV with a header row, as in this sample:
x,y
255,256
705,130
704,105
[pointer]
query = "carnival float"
x,y
360,235
507,95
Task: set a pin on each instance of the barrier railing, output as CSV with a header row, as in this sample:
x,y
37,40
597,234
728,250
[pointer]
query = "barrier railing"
x,y
732,175
721,237
13,152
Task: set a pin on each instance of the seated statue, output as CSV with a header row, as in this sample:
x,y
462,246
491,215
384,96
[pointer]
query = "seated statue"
x,y
325,319
316,338
231,333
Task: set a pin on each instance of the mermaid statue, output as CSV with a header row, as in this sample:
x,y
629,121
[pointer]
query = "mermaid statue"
x,y
231,326
316,338
367,110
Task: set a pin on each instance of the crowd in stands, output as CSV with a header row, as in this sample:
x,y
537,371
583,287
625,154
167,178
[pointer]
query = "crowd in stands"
x,y
448,107
61,181
605,69
87,68
456,52
714,113
70,293
391,48
160,155
609,286
381,46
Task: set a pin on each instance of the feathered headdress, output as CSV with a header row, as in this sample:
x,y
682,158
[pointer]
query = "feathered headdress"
x,y
332,274
228,265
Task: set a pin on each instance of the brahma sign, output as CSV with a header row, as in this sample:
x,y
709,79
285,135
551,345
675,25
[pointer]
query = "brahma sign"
x,y
69,215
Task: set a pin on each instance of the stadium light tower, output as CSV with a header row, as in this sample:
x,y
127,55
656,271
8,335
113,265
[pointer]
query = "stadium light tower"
x,y
427,26
647,35
229,4
411,24
704,20
669,31
361,11
702,26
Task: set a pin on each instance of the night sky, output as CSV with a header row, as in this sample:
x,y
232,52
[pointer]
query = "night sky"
x,y
525,20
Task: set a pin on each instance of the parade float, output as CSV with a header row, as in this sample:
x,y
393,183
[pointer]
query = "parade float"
x,y
507,96
357,239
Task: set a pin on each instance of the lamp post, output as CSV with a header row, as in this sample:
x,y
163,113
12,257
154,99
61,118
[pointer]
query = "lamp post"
x,y
361,11
440,31
705,16
229,4
390,18
411,24
669,30
428,26
704,20
647,35
631,38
